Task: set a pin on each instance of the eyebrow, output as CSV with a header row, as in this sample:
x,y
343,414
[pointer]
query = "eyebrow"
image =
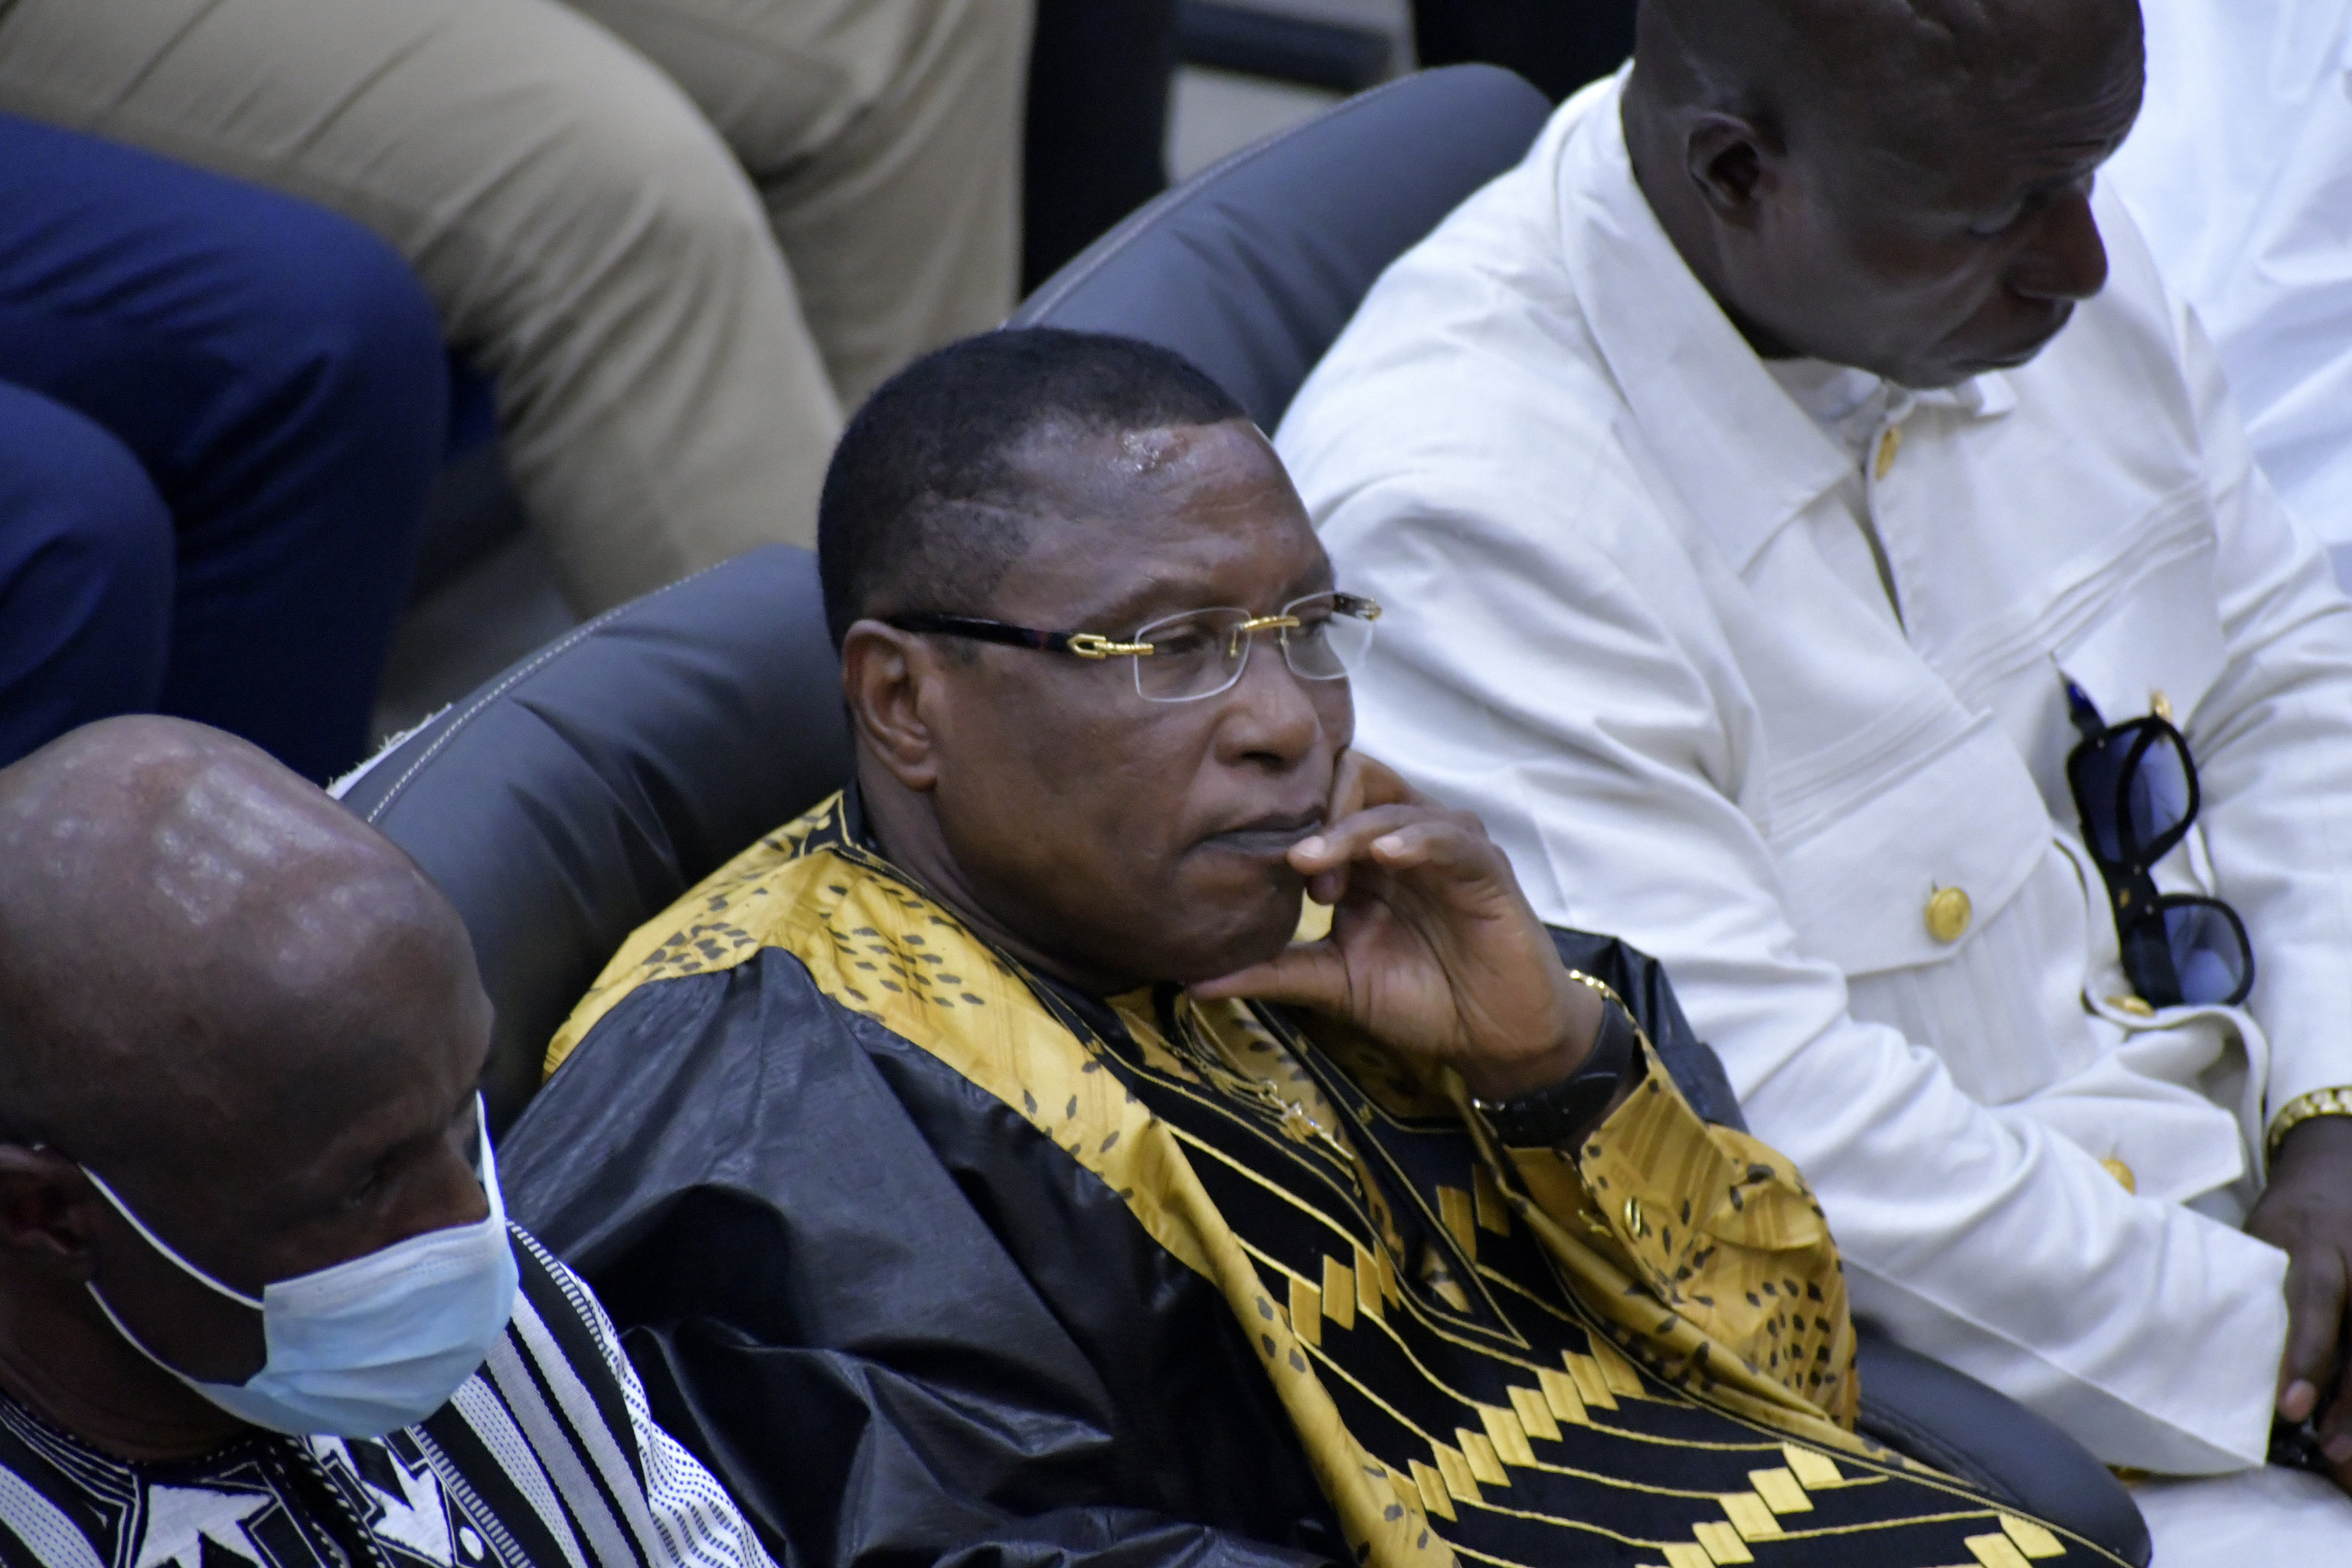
x,y
2023,195
422,1142
1141,605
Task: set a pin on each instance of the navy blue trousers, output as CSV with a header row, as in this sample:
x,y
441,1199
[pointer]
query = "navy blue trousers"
x,y
221,410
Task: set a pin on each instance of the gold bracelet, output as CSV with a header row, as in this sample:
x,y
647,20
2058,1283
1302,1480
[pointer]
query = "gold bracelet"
x,y
2303,1108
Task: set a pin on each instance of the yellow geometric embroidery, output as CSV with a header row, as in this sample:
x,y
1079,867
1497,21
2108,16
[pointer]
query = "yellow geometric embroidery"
x,y
1338,1293
1535,1415
1590,1382
1996,1550
1454,1207
874,945
1478,1450
1722,1543
1779,1491
1811,1468
1436,1492
2030,1538
1749,1516
1562,1395
1494,1209
1368,1281
1504,1431
1306,1312
1460,1483
1617,1371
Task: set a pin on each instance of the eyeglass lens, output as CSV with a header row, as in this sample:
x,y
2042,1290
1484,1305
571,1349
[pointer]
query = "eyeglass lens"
x,y
2208,949
2140,768
2190,951
2157,793
1203,652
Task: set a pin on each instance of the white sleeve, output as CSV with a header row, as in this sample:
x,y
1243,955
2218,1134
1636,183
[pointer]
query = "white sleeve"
x,y
1599,730
2272,741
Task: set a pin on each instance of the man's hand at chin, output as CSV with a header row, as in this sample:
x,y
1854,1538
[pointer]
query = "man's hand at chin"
x,y
2307,1212
1434,949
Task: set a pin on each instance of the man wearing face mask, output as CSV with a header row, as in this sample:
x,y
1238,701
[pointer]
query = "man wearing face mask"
x,y
1827,555
259,1299
987,1180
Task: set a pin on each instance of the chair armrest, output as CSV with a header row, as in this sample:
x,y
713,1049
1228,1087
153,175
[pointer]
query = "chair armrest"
x,y
1920,1407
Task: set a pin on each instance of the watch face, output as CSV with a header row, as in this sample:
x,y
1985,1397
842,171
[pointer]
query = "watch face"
x,y
1571,1107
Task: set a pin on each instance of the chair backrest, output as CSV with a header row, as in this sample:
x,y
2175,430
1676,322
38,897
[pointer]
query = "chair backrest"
x,y
1251,268
582,792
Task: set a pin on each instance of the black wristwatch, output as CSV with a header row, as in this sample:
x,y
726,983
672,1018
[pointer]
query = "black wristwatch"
x,y
1558,1116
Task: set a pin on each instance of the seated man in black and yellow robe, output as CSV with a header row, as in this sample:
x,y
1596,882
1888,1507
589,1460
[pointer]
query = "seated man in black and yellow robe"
x,y
990,1177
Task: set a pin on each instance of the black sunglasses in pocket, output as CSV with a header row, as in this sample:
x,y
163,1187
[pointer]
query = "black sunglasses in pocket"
x,y
2134,787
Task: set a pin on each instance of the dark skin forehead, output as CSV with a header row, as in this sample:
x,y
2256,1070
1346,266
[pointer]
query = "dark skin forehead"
x,y
1130,525
202,958
2039,99
1929,101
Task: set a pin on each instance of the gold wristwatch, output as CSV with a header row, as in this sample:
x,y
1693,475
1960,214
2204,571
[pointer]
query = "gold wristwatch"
x,y
2302,1108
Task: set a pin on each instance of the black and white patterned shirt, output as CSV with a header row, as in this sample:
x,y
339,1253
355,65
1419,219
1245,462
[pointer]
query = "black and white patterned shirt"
x,y
547,1457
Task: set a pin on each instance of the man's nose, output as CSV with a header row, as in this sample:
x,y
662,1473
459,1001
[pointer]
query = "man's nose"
x,y
1269,715
2067,259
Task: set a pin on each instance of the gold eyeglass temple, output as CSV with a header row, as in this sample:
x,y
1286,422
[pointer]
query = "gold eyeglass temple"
x,y
1093,645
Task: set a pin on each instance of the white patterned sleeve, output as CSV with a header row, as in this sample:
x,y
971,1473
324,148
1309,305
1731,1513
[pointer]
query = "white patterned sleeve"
x,y
699,1524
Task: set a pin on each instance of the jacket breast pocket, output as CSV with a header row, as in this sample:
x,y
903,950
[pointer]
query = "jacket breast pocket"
x,y
1916,860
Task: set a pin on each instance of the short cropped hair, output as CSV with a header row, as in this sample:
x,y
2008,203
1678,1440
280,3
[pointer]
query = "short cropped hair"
x,y
923,508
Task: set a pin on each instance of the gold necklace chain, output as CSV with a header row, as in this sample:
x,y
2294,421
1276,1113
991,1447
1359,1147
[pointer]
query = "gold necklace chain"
x,y
1298,1122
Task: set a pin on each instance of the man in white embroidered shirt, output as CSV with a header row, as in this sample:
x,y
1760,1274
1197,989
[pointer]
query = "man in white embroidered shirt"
x,y
1810,520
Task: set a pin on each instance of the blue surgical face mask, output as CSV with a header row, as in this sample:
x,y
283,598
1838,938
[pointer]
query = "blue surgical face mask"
x,y
370,1345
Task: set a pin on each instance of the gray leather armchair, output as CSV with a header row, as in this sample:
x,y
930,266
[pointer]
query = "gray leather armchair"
x,y
582,791
1251,268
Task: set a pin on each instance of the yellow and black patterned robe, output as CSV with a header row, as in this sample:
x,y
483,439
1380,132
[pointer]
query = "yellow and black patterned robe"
x,y
933,1261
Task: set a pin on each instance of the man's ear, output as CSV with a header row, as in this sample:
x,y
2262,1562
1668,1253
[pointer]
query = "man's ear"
x,y
1733,164
893,682
46,1219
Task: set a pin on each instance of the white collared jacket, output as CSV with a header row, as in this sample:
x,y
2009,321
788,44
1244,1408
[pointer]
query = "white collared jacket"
x,y
1592,517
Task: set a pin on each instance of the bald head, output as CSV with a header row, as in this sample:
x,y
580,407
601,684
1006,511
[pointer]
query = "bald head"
x,y
1896,184
194,942
1905,70
247,1014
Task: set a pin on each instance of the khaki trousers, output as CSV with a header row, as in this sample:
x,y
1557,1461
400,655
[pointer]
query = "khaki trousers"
x,y
681,234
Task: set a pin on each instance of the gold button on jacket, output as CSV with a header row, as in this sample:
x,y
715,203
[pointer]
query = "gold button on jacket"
x,y
1948,914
